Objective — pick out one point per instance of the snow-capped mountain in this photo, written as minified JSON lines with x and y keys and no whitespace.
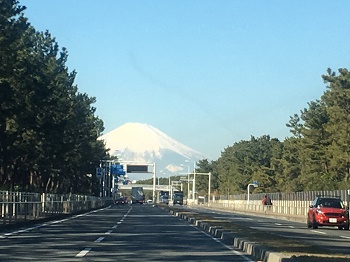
{"x":146,"y":144}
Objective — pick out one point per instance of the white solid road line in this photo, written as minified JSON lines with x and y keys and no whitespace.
{"x":228,"y":247}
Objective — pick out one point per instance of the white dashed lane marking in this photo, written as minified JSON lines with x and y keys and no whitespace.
{"x":83,"y":252}
{"x":99,"y":239}
{"x":319,"y":232}
{"x":108,"y":232}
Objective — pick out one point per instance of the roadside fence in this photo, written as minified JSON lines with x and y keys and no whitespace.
{"x":293,"y":206}
{"x":24,"y":206}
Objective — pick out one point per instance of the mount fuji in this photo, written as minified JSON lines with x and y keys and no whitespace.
{"x":144,"y":143}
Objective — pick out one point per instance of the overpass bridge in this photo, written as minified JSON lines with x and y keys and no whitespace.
{"x":145,"y":187}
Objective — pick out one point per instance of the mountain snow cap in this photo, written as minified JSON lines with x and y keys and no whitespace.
{"x":141,"y":138}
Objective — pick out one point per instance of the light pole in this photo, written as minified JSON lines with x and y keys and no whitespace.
{"x":170,"y":189}
{"x":188,"y":180}
{"x":255,"y":184}
{"x":194,"y":180}
{"x":106,"y":177}
{"x":165,"y":174}
{"x":209,"y":184}
{"x":154,"y":183}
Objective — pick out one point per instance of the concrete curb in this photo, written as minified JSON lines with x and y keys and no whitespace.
{"x":229,"y":238}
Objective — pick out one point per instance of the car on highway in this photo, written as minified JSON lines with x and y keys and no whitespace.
{"x":164,"y":199}
{"x":178,"y":198}
{"x":120,"y":201}
{"x":328,"y":211}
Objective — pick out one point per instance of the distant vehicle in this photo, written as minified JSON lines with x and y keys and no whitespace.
{"x":178,"y":197}
{"x":137,"y":195}
{"x":163,"y":193}
{"x":149,"y":201}
{"x":164,"y":199}
{"x":121,"y":201}
{"x":328,"y":211}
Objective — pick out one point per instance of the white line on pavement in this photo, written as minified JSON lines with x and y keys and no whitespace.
{"x":319,"y":232}
{"x":228,"y":247}
{"x":83,"y":252}
{"x":99,"y":239}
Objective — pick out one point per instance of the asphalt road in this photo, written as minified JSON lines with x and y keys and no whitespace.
{"x":329,"y":238}
{"x":117,"y":233}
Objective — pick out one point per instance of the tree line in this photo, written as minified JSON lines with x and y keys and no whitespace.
{"x":48,"y":129}
{"x":315,"y":157}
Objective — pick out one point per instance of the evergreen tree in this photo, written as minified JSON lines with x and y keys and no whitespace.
{"x":48,"y":131}
{"x":314,"y":162}
{"x":337,"y":99}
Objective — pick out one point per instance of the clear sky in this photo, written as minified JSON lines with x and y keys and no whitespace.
{"x":206,"y":73}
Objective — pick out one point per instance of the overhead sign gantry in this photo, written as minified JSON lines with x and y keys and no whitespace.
{"x":141,"y":167}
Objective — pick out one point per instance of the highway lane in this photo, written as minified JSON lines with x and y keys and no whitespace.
{"x":117,"y":233}
{"x":325,"y":237}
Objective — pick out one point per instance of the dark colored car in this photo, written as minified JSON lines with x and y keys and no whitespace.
{"x":164,"y":199}
{"x":328,"y":211}
{"x":120,"y":200}
{"x":178,"y":198}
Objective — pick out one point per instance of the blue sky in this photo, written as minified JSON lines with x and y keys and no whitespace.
{"x":206,"y":73}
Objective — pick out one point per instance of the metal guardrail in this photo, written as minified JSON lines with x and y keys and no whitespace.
{"x":24,"y":206}
{"x":290,"y":205}
{"x":291,"y":196}
{"x":293,"y":210}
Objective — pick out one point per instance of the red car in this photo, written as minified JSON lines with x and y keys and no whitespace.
{"x":328,"y":211}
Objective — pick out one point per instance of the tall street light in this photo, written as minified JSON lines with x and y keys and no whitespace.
{"x":194,"y":180}
{"x":209,"y":184}
{"x":165,"y":175}
{"x":188,"y":181}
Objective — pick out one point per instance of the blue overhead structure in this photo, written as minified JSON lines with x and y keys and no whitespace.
{"x":117,"y":169}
